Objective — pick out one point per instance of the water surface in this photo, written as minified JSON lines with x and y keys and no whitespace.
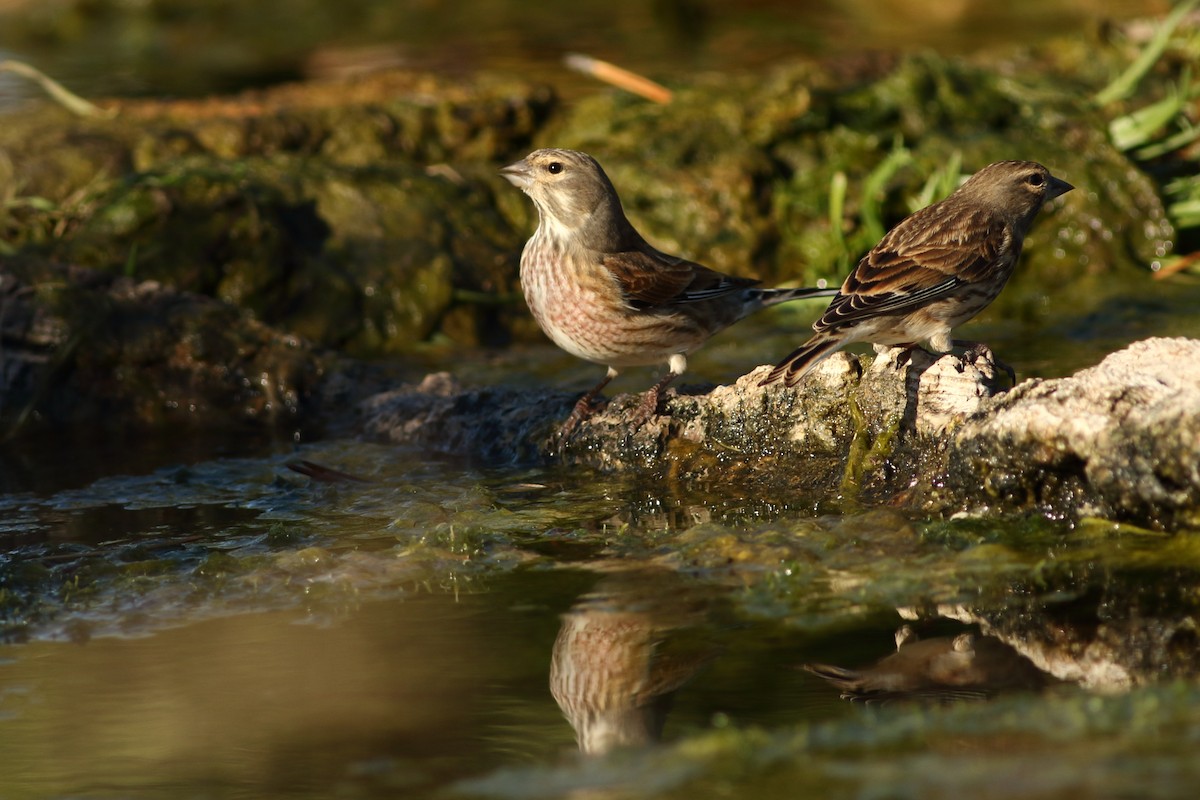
{"x":227,"y":628}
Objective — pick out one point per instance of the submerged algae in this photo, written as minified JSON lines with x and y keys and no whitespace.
{"x":1018,"y":747}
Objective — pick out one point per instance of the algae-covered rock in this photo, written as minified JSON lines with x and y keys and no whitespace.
{"x":327,"y":209}
{"x":843,"y":427}
{"x":395,"y":115}
{"x":1120,"y":439}
{"x":368,"y":260}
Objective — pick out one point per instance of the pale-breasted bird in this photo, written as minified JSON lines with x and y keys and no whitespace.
{"x":602,"y":293}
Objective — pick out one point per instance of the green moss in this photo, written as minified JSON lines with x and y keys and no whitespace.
{"x":356,"y":213}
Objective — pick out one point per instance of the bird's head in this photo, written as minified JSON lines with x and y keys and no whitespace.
{"x":1018,"y":187}
{"x":570,"y":190}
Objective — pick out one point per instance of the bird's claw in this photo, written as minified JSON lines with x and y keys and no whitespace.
{"x":582,"y":410}
{"x":647,"y":407}
{"x":981,"y":352}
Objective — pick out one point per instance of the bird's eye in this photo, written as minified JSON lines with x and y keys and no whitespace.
{"x":554,"y":167}
{"x":1036,"y":179}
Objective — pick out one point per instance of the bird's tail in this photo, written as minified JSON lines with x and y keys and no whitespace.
{"x":770,"y":297}
{"x":839,"y":676}
{"x":801,"y":360}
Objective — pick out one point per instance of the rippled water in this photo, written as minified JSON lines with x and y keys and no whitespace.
{"x":229,"y":628}
{"x":409,"y":692}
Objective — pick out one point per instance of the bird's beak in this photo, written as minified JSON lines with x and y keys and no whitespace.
{"x":1056,"y":188}
{"x":519,"y":174}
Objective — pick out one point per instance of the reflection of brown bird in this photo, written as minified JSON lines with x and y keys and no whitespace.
{"x":322,"y":473}
{"x":964,"y":667}
{"x":614,"y":668}
{"x":935,"y":270}
{"x":602,"y":293}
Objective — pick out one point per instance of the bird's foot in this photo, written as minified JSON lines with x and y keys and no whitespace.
{"x":582,"y":410}
{"x":978,"y":351}
{"x":647,"y":407}
{"x":905,"y":356}
{"x":901,"y":358}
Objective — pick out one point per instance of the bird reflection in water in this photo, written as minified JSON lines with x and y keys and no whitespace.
{"x":622,"y":652}
{"x":944,"y":669}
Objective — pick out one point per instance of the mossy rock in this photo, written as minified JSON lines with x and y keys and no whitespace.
{"x":365,"y":258}
{"x":86,"y":347}
{"x":368,"y":214}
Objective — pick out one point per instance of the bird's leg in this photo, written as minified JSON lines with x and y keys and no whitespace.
{"x":649,"y":405}
{"x":973,"y":352}
{"x":676,"y":365}
{"x":583,"y":406}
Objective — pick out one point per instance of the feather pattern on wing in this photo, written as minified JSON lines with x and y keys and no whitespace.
{"x":917,"y":263}
{"x":649,"y":279}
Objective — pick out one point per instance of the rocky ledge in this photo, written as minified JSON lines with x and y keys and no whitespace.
{"x":1119,"y":440}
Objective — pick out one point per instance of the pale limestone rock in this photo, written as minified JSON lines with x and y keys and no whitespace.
{"x":1122,"y":437}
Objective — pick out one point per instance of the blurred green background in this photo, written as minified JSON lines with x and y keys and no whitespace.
{"x":196,"y":47}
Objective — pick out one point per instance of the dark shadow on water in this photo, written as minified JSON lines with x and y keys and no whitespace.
{"x":50,"y":460}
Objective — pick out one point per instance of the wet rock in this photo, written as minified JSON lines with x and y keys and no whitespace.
{"x":89,"y":348}
{"x":1121,"y":439}
{"x":846,"y":425}
{"x":499,"y":424}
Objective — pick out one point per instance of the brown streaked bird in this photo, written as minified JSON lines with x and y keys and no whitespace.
{"x":603,"y":294}
{"x":940,"y":670}
{"x":934,"y":271}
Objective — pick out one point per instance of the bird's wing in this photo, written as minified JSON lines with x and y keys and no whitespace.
{"x":916,"y":264}
{"x":650,"y":279}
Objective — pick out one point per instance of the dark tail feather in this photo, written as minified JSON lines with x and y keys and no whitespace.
{"x":772,"y":297}
{"x":801,"y":360}
{"x":839,"y":676}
